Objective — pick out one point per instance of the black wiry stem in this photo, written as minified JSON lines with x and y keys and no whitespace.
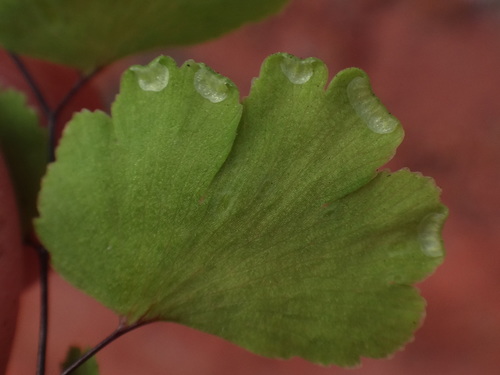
{"x":51,"y":115}
{"x":74,"y":90}
{"x":120,"y":331}
{"x":43,"y":256}
{"x":47,"y":111}
{"x":52,"y":120}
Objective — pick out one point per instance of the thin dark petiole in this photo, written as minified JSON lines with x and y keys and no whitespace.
{"x":120,"y":331}
{"x":54,"y":115}
{"x":47,"y":111}
{"x":51,"y":115}
{"x":74,"y":90}
{"x":32,"y":84}
{"x":43,"y":257}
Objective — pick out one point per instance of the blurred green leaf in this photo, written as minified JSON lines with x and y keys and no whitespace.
{"x":23,"y":143}
{"x":268,"y":226}
{"x":90,"y":367}
{"x":90,"y":33}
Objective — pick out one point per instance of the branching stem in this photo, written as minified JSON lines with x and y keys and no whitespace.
{"x":52,"y":120}
{"x":52,"y":116}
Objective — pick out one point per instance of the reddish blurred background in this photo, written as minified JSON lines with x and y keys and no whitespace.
{"x":436,"y":66}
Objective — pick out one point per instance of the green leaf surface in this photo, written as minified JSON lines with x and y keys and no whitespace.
{"x":90,"y":33}
{"x":90,"y":367}
{"x":265,"y":223}
{"x":23,"y":144}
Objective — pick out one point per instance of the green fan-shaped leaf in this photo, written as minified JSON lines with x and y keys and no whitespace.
{"x":90,"y":367}
{"x":90,"y":33}
{"x":23,"y":143}
{"x":266,"y":224}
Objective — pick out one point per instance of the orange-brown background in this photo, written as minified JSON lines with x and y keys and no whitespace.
{"x":436,"y":66}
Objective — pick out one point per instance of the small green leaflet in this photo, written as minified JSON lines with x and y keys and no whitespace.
{"x":24,"y":146}
{"x":90,"y":367}
{"x":265,"y":223}
{"x":87,"y":34}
